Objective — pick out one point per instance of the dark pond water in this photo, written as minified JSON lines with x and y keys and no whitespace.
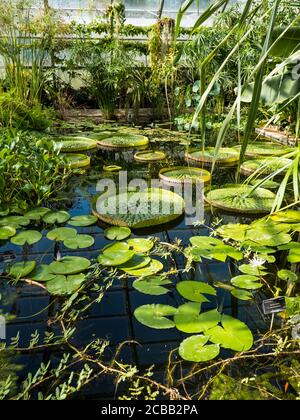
{"x":112,"y":319}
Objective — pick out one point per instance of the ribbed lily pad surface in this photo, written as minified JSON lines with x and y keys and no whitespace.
{"x":120,"y":141}
{"x":139,"y":209}
{"x":265,"y":149}
{"x":266,"y":165}
{"x":240,"y":199}
{"x":77,"y":160}
{"x":225,"y":156}
{"x":181,"y":174}
{"x":76,"y":144}
{"x":150,"y":156}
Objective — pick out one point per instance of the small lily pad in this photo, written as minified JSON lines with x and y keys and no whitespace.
{"x":152,"y":285}
{"x":246,"y":282}
{"x":22,"y":269}
{"x":117,"y":233}
{"x":241,"y":294}
{"x":37,"y":213}
{"x":16,"y":221}
{"x":83,"y":221}
{"x":253,"y":270}
{"x":115,"y":247}
{"x":135,"y":263}
{"x":140,"y":244}
{"x":194,"y":349}
{"x":42,"y":273}
{"x":189,"y":320}
{"x":7,"y":232}
{"x":287,"y":275}
{"x":155,"y":316}
{"x":152,"y":268}
{"x":113,"y":259}
{"x":70,"y":265}
{"x":193,"y":290}
{"x":56,"y":217}
{"x":62,"y":286}
{"x":79,"y":242}
{"x":112,"y":168}
{"x":28,"y":237}
{"x":61,"y":234}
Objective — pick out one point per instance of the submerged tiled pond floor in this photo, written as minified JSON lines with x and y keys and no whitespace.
{"x":112,"y":319}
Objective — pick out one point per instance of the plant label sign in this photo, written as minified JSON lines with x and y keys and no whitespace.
{"x":7,"y":257}
{"x":272,"y":306}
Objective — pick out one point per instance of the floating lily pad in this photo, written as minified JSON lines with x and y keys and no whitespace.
{"x":152,"y":285}
{"x":155,"y":316}
{"x":246,"y":282}
{"x":139,"y":209}
{"x":222,"y":252}
{"x":79,"y":242}
{"x":269,"y":184}
{"x":235,"y":231}
{"x":181,"y":174}
{"x":189,"y":320}
{"x":112,"y":168}
{"x":22,"y":269}
{"x":112,"y":259}
{"x":150,"y":156}
{"x":266,"y":165}
{"x":7,"y":232}
{"x":62,"y":286}
{"x":70,"y":265}
{"x":233,"y":334}
{"x":241,"y":199}
{"x":253,"y":270}
{"x":16,"y":221}
{"x":76,"y":144}
{"x":123,"y":140}
{"x":265,"y":149}
{"x":140,"y":244}
{"x":287,"y":216}
{"x":58,"y":217}
{"x":241,"y":294}
{"x":42,"y":273}
{"x":61,"y":234}
{"x":117,"y":233}
{"x":194,"y":349}
{"x":152,"y":268}
{"x":287,"y":275}
{"x":116,"y":247}
{"x":28,"y":237}
{"x":205,"y":241}
{"x":193,"y":290}
{"x":75,"y":161}
{"x":225,"y":156}
{"x":37,"y":213}
{"x":135,"y":263}
{"x":83,"y":221}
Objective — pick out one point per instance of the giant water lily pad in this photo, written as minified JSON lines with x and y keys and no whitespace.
{"x":181,"y":174}
{"x":83,"y":221}
{"x":37,"y":213}
{"x":113,"y":259}
{"x":194,"y":349}
{"x":117,"y":233}
{"x":62,"y":286}
{"x":70,"y":265}
{"x":194,"y":290}
{"x":269,"y":184}
{"x":135,"y":263}
{"x":22,"y":269}
{"x":79,"y":242}
{"x":150,"y":156}
{"x":42,"y":273}
{"x":155,"y":316}
{"x":28,"y":237}
{"x":140,"y":244}
{"x":152,"y":268}
{"x":265,"y":165}
{"x":225,"y":156}
{"x":246,"y":282}
{"x":61,"y":234}
{"x":189,"y":319}
{"x":123,"y":140}
{"x":264,"y":149}
{"x":76,"y":144}
{"x":152,"y":285}
{"x":16,"y":221}
{"x":7,"y":232}
{"x":56,"y":217}
{"x":75,"y":161}
{"x":139,"y":209}
{"x":233,"y":335}
{"x":241,"y":199}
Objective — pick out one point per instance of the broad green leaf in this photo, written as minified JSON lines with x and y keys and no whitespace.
{"x":194,"y":349}
{"x":294,"y":256}
{"x":7,"y":232}
{"x":117,"y":233}
{"x":140,"y":244}
{"x":151,"y":269}
{"x":79,"y":242}
{"x":241,"y":294}
{"x":287,"y":275}
{"x":135,"y":263}
{"x":16,"y":221}
{"x":233,"y":335}
{"x":193,"y":290}
{"x":115,"y":247}
{"x":205,"y":242}
{"x":28,"y":237}
{"x":56,"y":217}
{"x":189,"y":320}
{"x":112,"y":259}
{"x":22,"y":269}
{"x":222,"y":252}
{"x":152,"y":285}
{"x":287,"y":216}
{"x":42,"y":273}
{"x":155,"y":316}
{"x":37,"y":213}
{"x":63,"y":286}
{"x":246,"y":282}
{"x":235,"y":231}
{"x":70,"y":265}
{"x":83,"y":221}
{"x":61,"y":234}
{"x":253,"y":270}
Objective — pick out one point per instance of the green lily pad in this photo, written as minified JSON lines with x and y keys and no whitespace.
{"x":253,"y":270}
{"x":181,"y":174}
{"x":140,"y":244}
{"x":116,"y":247}
{"x":76,"y":160}
{"x":7,"y":232}
{"x":246,"y":282}
{"x":83,"y":221}
{"x":123,"y":140}
{"x":265,"y":165}
{"x":63,"y":286}
{"x":205,"y":241}
{"x":193,"y":290}
{"x":233,"y":335}
{"x":225,"y":156}
{"x":287,"y":216}
{"x":269,"y":184}
{"x":70,"y":265}
{"x":42,"y":273}
{"x":150,"y":156}
{"x":222,"y":252}
{"x":37,"y":213}
{"x":22,"y":269}
{"x":79,"y":242}
{"x":234,"y":231}
{"x":152,"y":285}
{"x":241,"y":294}
{"x":113,"y":259}
{"x":76,"y":144}
{"x":194,"y":349}
{"x":61,"y":234}
{"x":16,"y":221}
{"x":287,"y":275}
{"x":155,"y":316}
{"x":152,"y":268}
{"x":135,"y":263}
{"x":28,"y":237}
{"x":189,"y":320}
{"x":112,"y":168}
{"x":53,"y":217}
{"x":117,"y":233}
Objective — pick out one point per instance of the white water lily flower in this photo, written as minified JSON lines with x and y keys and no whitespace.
{"x":257,"y":262}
